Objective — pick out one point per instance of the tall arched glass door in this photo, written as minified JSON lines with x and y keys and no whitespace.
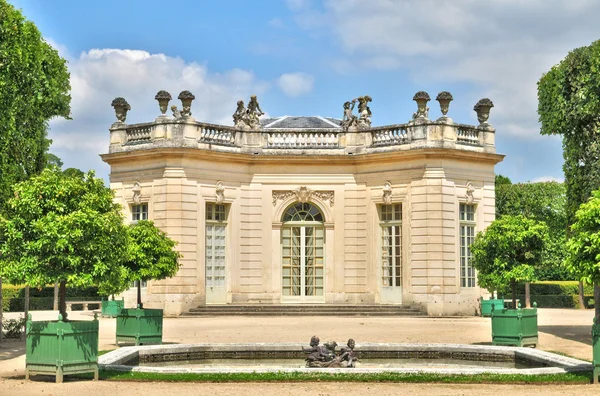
{"x":302,"y":243}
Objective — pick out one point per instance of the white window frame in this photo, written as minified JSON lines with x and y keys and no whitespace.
{"x":137,"y":210}
{"x":390,"y":217}
{"x":215,"y":216}
{"x":466,"y":235}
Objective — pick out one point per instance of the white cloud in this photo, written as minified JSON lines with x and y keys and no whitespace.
{"x":500,"y":47}
{"x":276,"y":23}
{"x":100,"y":75}
{"x":296,"y":84}
{"x":548,"y":179}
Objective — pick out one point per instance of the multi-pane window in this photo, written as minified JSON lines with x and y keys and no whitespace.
{"x":216,"y":227}
{"x":139,"y":212}
{"x":391,"y":245}
{"x":467,"y":236}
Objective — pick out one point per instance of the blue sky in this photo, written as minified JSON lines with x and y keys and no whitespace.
{"x":307,"y":57}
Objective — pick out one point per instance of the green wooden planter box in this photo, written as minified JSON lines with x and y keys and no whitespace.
{"x":596,"y":349}
{"x":140,"y":326}
{"x":112,"y":308}
{"x":59,"y":348}
{"x":488,"y":305}
{"x":515,"y":326}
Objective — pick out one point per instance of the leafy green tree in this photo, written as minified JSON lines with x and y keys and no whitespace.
{"x":584,"y":244}
{"x":569,"y":105}
{"x":508,"y":252}
{"x":63,"y":229}
{"x":502,"y":180}
{"x":150,"y":255}
{"x":34,"y":87}
{"x":545,"y":202}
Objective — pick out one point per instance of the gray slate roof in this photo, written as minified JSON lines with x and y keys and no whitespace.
{"x":291,"y":122}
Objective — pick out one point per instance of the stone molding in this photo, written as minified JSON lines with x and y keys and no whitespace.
{"x":303,"y":194}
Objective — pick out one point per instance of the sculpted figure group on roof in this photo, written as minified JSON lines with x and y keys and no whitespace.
{"x":247,"y":118}
{"x":350,"y":121}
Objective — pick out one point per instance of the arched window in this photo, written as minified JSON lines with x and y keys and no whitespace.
{"x":302,"y":212}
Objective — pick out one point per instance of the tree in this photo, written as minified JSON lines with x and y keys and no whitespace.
{"x":507,"y":253}
{"x":150,"y":255}
{"x":544,"y":201}
{"x":569,"y":105}
{"x":584,"y":244}
{"x":502,"y":180}
{"x":64,"y":229}
{"x":34,"y":87}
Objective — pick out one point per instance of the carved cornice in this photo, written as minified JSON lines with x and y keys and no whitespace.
{"x":304,"y":194}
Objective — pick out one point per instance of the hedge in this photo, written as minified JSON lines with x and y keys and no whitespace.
{"x":13,"y":297}
{"x":557,"y":294}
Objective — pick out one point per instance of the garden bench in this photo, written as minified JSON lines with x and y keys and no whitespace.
{"x":84,"y":303}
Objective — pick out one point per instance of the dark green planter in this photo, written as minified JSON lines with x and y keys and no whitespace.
{"x":488,"y":305}
{"x":112,"y":308}
{"x":59,"y":348}
{"x":596,"y":349}
{"x":140,"y":326}
{"x":515,"y":326}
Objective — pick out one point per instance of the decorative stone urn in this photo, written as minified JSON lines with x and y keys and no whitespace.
{"x":121,"y":108}
{"x":421,"y":98}
{"x":186,"y":98}
{"x":163,"y":98}
{"x":482,"y":108}
{"x":444,"y":98}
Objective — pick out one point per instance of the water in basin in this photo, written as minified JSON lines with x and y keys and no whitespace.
{"x":363,"y":363}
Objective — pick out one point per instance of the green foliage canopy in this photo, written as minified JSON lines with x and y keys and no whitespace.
{"x":584,"y":244}
{"x":508,"y":251}
{"x":150,"y":254}
{"x":569,"y":105}
{"x":61,"y":228}
{"x":544,"y":201}
{"x":34,"y":87}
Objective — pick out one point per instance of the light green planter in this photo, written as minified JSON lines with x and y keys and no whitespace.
{"x":112,"y":308}
{"x":488,"y":305}
{"x":140,"y":326}
{"x":59,"y":348}
{"x":596,"y":349}
{"x":515,"y":326}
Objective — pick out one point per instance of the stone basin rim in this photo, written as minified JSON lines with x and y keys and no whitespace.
{"x":116,"y":360}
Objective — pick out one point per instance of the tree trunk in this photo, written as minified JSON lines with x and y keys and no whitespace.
{"x":597,"y":302}
{"x":514,"y":294}
{"x":62,"y":300}
{"x":55,"y":304}
{"x":527,"y":296}
{"x":0,"y":311}
{"x":139,"y":294}
{"x":26,"y":305}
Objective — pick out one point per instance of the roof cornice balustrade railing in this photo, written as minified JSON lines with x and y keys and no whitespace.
{"x":182,"y":132}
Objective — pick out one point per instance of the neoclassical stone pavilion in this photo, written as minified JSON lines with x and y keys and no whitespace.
{"x":310,"y":210}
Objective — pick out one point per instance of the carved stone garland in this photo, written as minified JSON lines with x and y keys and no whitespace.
{"x":387,"y":193}
{"x":220,"y":193}
{"x":137,"y":193}
{"x":469,"y":193}
{"x":303,"y":194}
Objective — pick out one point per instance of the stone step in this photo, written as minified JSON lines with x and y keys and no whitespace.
{"x":304,"y":310}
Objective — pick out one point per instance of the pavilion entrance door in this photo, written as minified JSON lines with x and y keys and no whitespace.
{"x":302,"y":244}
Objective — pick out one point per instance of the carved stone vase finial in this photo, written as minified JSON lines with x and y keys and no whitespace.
{"x":444,"y":98}
{"x":121,"y":108}
{"x":186,"y":98}
{"x":163,"y":98}
{"x":421,"y":98}
{"x":482,"y":108}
